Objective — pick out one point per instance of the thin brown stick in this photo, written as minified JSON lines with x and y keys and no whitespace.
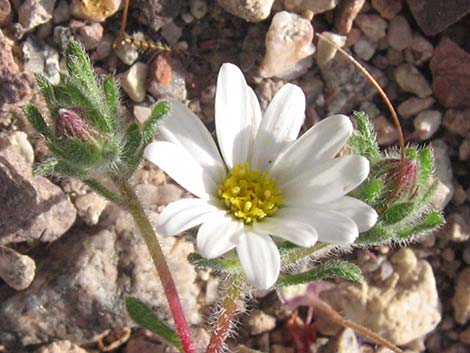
{"x":122,"y":30}
{"x":396,"y":121}
{"x":334,"y":316}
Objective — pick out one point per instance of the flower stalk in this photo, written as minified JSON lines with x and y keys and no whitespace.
{"x":225,"y":320}
{"x":133,"y":206}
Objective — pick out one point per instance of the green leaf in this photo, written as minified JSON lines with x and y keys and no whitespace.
{"x":46,"y":168}
{"x":34,"y":116}
{"x":370,"y":190}
{"x":49,"y":95}
{"x":377,"y":235}
{"x":431,"y":221}
{"x":330,"y":269}
{"x":425,"y":165}
{"x":160,"y":110}
{"x":133,"y":141}
{"x":146,"y":318}
{"x":397,"y":212}
{"x":227,"y":265}
{"x":364,"y":141}
{"x":111,"y":92}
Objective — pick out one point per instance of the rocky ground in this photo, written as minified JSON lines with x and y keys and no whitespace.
{"x":68,"y":258}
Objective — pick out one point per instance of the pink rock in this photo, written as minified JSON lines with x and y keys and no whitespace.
{"x":373,"y":26}
{"x":434,"y":16}
{"x":387,"y":8}
{"x":399,"y":34}
{"x":450,"y":66}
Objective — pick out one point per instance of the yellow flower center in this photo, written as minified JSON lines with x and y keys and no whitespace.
{"x":250,"y":195}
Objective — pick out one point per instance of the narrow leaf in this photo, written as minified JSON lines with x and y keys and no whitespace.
{"x":377,"y":235}
{"x":160,"y":110}
{"x":425,"y":164}
{"x":46,"y":168}
{"x":330,"y":269}
{"x":48,"y":93}
{"x":364,"y":141}
{"x":146,"y":318}
{"x":227,"y":265}
{"x":34,"y":116}
{"x":430,"y":222}
{"x":111,"y":92}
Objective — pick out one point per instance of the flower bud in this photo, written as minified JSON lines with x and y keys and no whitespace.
{"x":71,"y":123}
{"x":403,"y":183}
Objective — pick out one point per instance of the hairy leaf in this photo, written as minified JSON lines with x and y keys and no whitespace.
{"x":160,"y":110}
{"x":146,"y":318}
{"x":34,"y":116}
{"x":227,"y":265}
{"x":330,"y":269}
{"x":364,"y":141}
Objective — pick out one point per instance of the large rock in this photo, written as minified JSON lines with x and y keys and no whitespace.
{"x":17,"y":85}
{"x":346,"y":87}
{"x":33,"y":13}
{"x":82,"y":282}
{"x":33,"y":208}
{"x":458,"y":122}
{"x":450,"y":66}
{"x":434,"y":16}
{"x":289,"y":47}
{"x":401,"y":309}
{"x":16,"y":270}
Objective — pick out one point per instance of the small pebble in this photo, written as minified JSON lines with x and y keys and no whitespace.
{"x":90,"y":35}
{"x":464,"y":150}
{"x":409,"y":79}
{"x":365,"y":48}
{"x":133,"y":81}
{"x":388,"y":9}
{"x":61,"y":12}
{"x":5,"y":12}
{"x":414,"y":105}
{"x":373,"y":26}
{"x":198,"y":8}
{"x":427,"y":123}
{"x":259,"y":322}
{"x":399,"y":35}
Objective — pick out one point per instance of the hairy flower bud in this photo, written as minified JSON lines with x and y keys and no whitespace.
{"x":403,"y":182}
{"x":71,"y":123}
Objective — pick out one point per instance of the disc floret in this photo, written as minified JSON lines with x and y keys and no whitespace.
{"x":250,"y":195}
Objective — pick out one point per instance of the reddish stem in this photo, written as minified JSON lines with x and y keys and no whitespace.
{"x":224,"y":321}
{"x":134,"y":207}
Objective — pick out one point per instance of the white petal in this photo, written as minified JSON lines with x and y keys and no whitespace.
{"x":184,"y":214}
{"x":320,"y":143}
{"x":280,"y":125}
{"x":326,"y":182}
{"x":259,"y":258}
{"x":331,"y":226}
{"x":179,"y":165}
{"x":184,"y":128}
{"x":361,"y":213}
{"x":295,"y":231}
{"x":235,"y":115}
{"x":218,"y":236}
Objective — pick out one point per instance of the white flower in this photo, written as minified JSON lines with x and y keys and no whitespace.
{"x":265,"y":182}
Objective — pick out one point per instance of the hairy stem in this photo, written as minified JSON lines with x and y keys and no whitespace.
{"x":134,"y":207}
{"x":226,"y":317}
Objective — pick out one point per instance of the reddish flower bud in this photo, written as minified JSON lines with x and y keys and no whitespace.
{"x":405,"y":183}
{"x":70,"y":122}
